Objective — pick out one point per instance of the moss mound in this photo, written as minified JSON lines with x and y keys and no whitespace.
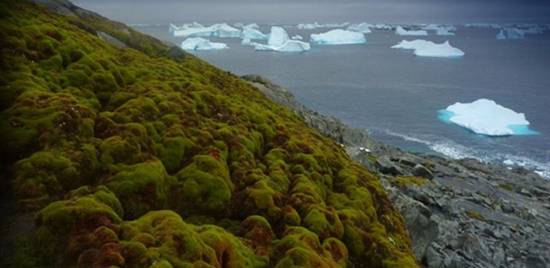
{"x":136,"y":157}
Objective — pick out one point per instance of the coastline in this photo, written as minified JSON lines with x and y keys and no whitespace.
{"x":464,"y":213}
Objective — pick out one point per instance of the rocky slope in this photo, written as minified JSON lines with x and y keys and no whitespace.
{"x":460,"y":213}
{"x":121,"y":151}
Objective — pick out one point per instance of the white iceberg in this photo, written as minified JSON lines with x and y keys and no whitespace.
{"x":486,"y":117}
{"x":222,"y":30}
{"x":199,"y":43}
{"x":361,"y":27}
{"x":400,"y":31}
{"x":338,"y":37}
{"x":297,"y":37}
{"x":483,"y":25}
{"x":510,"y":33}
{"x":279,"y":41}
{"x":444,"y":30}
{"x":519,"y":33}
{"x":252,"y":32}
{"x":423,"y":48}
{"x":381,"y":26}
{"x":315,"y":25}
{"x":277,"y":37}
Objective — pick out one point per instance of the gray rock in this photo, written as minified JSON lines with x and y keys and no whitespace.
{"x":422,"y":171}
{"x":111,"y":40}
{"x":386,"y":166}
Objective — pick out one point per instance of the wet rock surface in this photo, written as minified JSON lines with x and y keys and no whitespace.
{"x":467,"y":214}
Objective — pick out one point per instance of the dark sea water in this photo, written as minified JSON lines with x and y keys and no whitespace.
{"x":389,"y":92}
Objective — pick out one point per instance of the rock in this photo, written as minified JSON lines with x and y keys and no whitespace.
{"x":386,"y":166}
{"x":111,"y":40}
{"x":422,"y":171}
{"x":175,"y":52}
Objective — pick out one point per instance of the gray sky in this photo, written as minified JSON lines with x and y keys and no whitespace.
{"x":286,"y":11}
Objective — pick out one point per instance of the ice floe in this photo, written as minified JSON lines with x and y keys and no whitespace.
{"x":279,"y":41}
{"x":423,"y":48}
{"x":401,"y":31}
{"x":338,"y":37}
{"x":221,"y":30}
{"x":486,"y":117}
{"x":297,"y":37}
{"x":510,"y":33}
{"x":315,"y":25}
{"x":519,"y":33}
{"x":361,"y":27}
{"x":252,"y":32}
{"x":199,"y":43}
{"x":444,"y":30}
{"x":381,"y":26}
{"x":483,"y":25}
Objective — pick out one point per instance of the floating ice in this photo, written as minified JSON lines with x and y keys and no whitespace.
{"x":315,"y":25}
{"x":381,"y":26}
{"x":423,"y":48}
{"x":444,"y":30}
{"x":361,"y":27}
{"x":252,"y":32}
{"x":519,"y":33}
{"x":483,"y":25}
{"x":400,"y":31}
{"x":338,"y":37}
{"x":486,"y":117}
{"x":278,"y":36}
{"x":199,"y":43}
{"x":279,"y":41}
{"x":510,"y":33}
{"x":297,"y":37}
{"x":222,"y":30}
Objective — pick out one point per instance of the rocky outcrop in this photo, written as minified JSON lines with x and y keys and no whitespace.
{"x":459,"y":213}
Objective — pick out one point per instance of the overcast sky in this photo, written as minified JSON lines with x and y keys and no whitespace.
{"x":295,"y":11}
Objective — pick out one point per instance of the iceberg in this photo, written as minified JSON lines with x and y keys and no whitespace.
{"x":199,"y":43}
{"x":277,"y":37}
{"x":361,"y":27}
{"x":297,"y":37}
{"x":381,"y":26}
{"x":483,"y":25}
{"x":486,"y":117}
{"x":423,"y":48}
{"x":510,"y":33}
{"x":221,"y":30}
{"x":279,"y":41}
{"x":252,"y":32}
{"x":400,"y":31}
{"x":338,"y":37}
{"x":516,"y":33}
{"x":315,"y":25}
{"x":440,"y":29}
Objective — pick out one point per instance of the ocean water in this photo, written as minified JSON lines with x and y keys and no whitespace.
{"x":389,"y":92}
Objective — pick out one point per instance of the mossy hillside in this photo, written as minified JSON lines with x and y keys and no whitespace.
{"x":147,"y":160}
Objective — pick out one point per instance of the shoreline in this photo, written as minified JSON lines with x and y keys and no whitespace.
{"x":459,"y":212}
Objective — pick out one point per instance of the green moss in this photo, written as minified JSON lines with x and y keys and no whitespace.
{"x":173,"y":152}
{"x":475,"y":215}
{"x":143,"y":187}
{"x":204,"y":186}
{"x":115,"y":150}
{"x":77,"y":111}
{"x":302,"y":248}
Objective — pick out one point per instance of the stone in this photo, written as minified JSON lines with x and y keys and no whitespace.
{"x":422,"y":171}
